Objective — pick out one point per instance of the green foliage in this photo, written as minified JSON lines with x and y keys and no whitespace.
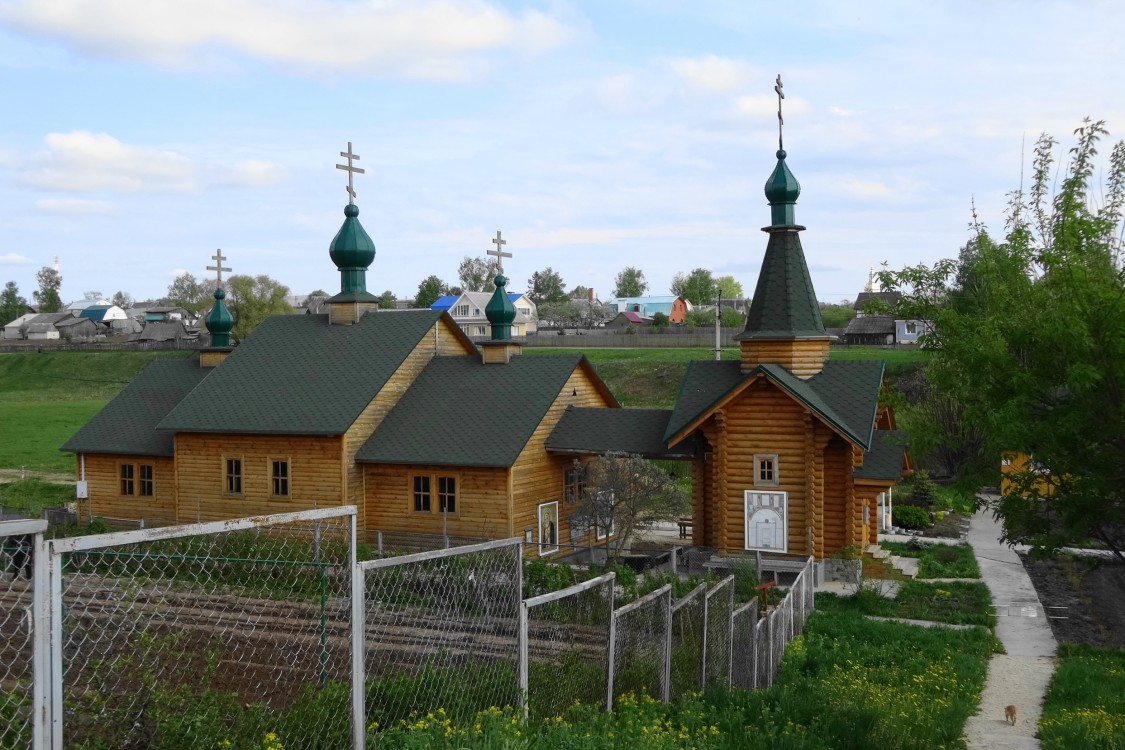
{"x":630,"y":283}
{"x":836,"y":316}
{"x":478,"y":274}
{"x":910,"y":517}
{"x":728,"y":287}
{"x":955,"y":603}
{"x":186,"y":292}
{"x":124,"y":300}
{"x":47,"y":295}
{"x":31,"y":496}
{"x":546,"y":286}
{"x":1029,"y":340}
{"x":252,"y":299}
{"x":697,"y":287}
{"x":660,"y":320}
{"x":387,"y":300}
{"x":938,"y":560}
{"x":1085,"y":702}
{"x":429,"y":289}
{"x":12,"y":305}
{"x":923,"y":490}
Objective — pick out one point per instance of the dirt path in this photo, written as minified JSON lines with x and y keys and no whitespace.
{"x":1020,"y":676}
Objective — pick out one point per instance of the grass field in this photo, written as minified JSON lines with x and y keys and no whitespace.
{"x":1085,"y":703}
{"x":46,"y":397}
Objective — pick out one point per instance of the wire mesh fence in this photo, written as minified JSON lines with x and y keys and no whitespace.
{"x":744,"y":652}
{"x":195,"y":632}
{"x":440,"y":631}
{"x":642,"y":646}
{"x":18,"y":540}
{"x":687,"y":642}
{"x":565,"y":647}
{"x":717,"y":629}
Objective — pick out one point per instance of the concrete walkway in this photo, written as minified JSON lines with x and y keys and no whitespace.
{"x":1019,"y":677}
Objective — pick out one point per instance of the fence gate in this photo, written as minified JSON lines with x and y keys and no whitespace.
{"x":642,"y":646}
{"x":23,"y":632}
{"x":249,"y":617}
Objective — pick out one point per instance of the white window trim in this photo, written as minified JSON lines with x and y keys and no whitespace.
{"x":543,"y":548}
{"x":750,"y":508}
{"x":758,"y":482}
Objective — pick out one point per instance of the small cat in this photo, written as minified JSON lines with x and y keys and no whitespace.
{"x":1010,"y":714}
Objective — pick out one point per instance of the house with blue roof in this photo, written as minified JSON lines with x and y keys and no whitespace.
{"x":467,"y":310}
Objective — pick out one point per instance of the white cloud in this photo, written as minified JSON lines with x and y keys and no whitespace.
{"x":76,"y":206}
{"x":81,"y":161}
{"x":14,"y":259}
{"x":254,"y":173}
{"x":617,"y":93}
{"x":756,"y":106}
{"x":427,"y":39}
{"x":712,"y":74}
{"x":840,"y":111}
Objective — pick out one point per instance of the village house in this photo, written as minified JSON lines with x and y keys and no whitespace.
{"x":676,"y":308}
{"x":467,"y":311}
{"x":399,"y":413}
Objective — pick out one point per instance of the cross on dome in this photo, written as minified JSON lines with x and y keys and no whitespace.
{"x":351,"y":169}
{"x":218,"y":268}
{"x":499,"y":253}
{"x":780,"y":95}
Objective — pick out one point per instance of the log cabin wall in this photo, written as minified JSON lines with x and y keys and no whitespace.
{"x":837,"y":467}
{"x":481,"y":509}
{"x":537,"y":476}
{"x":441,"y":341}
{"x":702,"y":488}
{"x":104,"y":490}
{"x":802,"y":357}
{"x":315,"y":474}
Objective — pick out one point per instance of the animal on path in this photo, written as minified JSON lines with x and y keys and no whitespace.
{"x":1010,"y":713}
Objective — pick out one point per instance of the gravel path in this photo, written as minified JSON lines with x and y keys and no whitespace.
{"x":1019,"y":677}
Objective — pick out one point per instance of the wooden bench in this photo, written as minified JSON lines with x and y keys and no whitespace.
{"x":685,"y":527}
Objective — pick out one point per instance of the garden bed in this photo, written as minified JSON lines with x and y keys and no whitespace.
{"x":1091,"y":589}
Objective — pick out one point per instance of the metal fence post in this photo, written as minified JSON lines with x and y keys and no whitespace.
{"x":730,"y":639}
{"x":54,"y":595}
{"x":666,"y":685}
{"x":611,"y":651}
{"x":523,"y":659}
{"x":41,"y":639}
{"x":703,"y":649}
{"x":359,"y":643}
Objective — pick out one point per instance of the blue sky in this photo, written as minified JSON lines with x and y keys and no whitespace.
{"x":138,"y":136}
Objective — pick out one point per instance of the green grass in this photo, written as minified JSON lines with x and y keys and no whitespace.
{"x":954,"y":603}
{"x":1085,"y":703}
{"x":31,"y":496}
{"x":32,"y":431}
{"x":938,"y":560}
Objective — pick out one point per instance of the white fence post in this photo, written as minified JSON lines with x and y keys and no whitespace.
{"x":666,"y":684}
{"x":359,"y":644}
{"x":522,"y":658}
{"x":611,"y":651}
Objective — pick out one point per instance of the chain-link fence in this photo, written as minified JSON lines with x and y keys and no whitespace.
{"x":564,"y":648}
{"x":744,"y":656}
{"x":440,"y":631}
{"x":759,"y":638}
{"x":196,"y":636}
{"x":642,"y":646}
{"x":717,"y":630}
{"x":687,"y":642}
{"x":20,"y":608}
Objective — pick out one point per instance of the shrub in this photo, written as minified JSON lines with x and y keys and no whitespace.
{"x":909,"y":517}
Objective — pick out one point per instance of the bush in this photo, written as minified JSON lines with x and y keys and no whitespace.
{"x":909,"y":517}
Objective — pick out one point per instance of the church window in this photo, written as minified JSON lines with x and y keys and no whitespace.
{"x":422,"y":493}
{"x":765,"y":469}
{"x":127,"y":479}
{"x":447,"y":494}
{"x":280,"y":477}
{"x":234,"y":476}
{"x":146,"y":484}
{"x":574,"y":484}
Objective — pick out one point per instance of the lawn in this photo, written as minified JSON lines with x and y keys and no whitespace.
{"x":1085,"y":703}
{"x":938,"y":560}
{"x":954,"y":603}
{"x":31,"y":496}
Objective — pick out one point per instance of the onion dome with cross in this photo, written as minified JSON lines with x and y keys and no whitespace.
{"x":352,"y":249}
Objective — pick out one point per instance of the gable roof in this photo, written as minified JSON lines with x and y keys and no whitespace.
{"x":445,"y":302}
{"x":127,"y":424}
{"x":884,"y":462}
{"x":162,"y":330}
{"x":844,"y":395}
{"x":637,"y":432}
{"x":870,"y":325}
{"x":888,"y":298}
{"x":460,"y":412}
{"x":44,"y":322}
{"x":298,"y":375}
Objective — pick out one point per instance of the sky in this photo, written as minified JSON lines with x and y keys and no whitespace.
{"x":138,"y":136}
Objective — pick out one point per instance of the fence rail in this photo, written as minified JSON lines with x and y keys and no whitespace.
{"x":106,"y":640}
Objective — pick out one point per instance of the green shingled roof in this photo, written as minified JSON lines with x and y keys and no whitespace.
{"x":127,"y":424}
{"x":784,"y":304}
{"x":843,"y":394}
{"x":296,"y":374}
{"x":884,"y":460}
{"x":460,"y":412}
{"x":637,"y":432}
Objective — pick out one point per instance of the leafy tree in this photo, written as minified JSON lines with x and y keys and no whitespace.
{"x":659,"y":320}
{"x":124,"y":300}
{"x":728,"y":287}
{"x":579,"y":292}
{"x":836,"y":315}
{"x":546,"y":286}
{"x":387,"y":300}
{"x":731,"y":318}
{"x":319,"y":293}
{"x":12,"y":305}
{"x":623,"y":495}
{"x":429,"y":290}
{"x":186,"y":292}
{"x":478,"y":274}
{"x":630,"y":283}
{"x":697,"y":287}
{"x":47,"y":295}
{"x":592,"y":314}
{"x":1029,"y":340}
{"x":252,"y":299}
{"x":92,"y":296}
{"x":564,"y":314}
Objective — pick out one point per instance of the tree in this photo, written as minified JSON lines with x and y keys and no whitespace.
{"x":478,"y":274}
{"x":579,"y":292}
{"x":93,"y":296}
{"x":47,"y":295}
{"x":429,"y":290}
{"x":630,"y":283}
{"x":186,"y":292}
{"x":697,"y":287}
{"x":12,"y":305}
{"x":659,"y":320}
{"x":564,"y":314}
{"x":836,"y":315}
{"x":318,"y":293}
{"x":728,"y":287}
{"x":622,"y":495}
{"x":546,"y":286}
{"x":252,"y":299}
{"x":124,"y":300}
{"x":387,"y":300}
{"x":1029,"y":340}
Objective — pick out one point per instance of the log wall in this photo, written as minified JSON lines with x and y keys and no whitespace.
{"x":802,"y":357}
{"x":103,"y":477}
{"x":482,"y":501}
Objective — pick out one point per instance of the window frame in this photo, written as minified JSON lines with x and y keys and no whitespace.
{"x":461,"y":311}
{"x":146,"y":486}
{"x":416,"y":494}
{"x":126,"y":485}
{"x":274,"y":462}
{"x":761,"y":460}
{"x":228,"y":475}
{"x":442,"y":495}
{"x":574,"y":483}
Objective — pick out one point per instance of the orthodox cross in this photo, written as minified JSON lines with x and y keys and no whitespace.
{"x":218,"y":257}
{"x":499,"y":253}
{"x":780,"y":95}
{"x":351,"y":169}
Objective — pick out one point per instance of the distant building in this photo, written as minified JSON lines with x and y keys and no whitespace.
{"x":676,"y":308}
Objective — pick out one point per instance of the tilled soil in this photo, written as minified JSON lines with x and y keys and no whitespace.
{"x":1084,"y":598}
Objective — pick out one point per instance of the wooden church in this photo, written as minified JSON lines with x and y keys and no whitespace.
{"x":400,"y":414}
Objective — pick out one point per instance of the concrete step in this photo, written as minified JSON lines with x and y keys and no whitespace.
{"x":877,"y":552}
{"x":908,"y":566}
